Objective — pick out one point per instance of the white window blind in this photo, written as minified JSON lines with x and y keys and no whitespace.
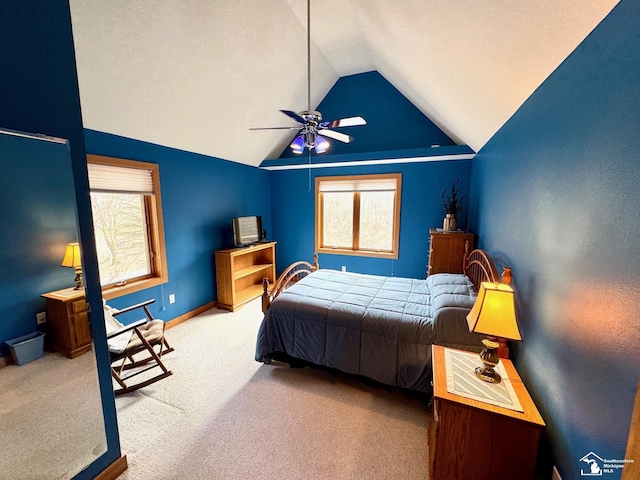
{"x":109,"y":178}
{"x":359,"y":185}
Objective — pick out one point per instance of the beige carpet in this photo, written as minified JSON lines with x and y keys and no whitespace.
{"x":222,"y":415}
{"x":51,"y":417}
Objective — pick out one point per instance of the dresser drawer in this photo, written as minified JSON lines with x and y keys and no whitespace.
{"x":79,"y":306}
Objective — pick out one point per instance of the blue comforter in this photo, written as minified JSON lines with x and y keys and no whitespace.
{"x":378,"y":327}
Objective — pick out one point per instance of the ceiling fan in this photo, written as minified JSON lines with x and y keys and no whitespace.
{"x":313,"y":130}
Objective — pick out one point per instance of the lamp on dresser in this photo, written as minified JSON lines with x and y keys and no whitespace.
{"x":494,"y":315}
{"x":72,"y":259}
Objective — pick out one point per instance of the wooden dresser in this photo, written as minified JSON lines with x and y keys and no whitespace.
{"x":68,"y":319}
{"x":472,"y":439}
{"x":240,"y":271}
{"x":446,"y":251}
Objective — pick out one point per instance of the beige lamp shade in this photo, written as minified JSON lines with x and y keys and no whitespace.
{"x":72,"y":256}
{"x":494,"y":313}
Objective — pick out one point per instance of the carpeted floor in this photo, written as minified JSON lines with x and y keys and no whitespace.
{"x":51,"y":417}
{"x":222,"y":415}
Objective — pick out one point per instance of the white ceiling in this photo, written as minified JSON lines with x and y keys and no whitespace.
{"x":197,"y":74}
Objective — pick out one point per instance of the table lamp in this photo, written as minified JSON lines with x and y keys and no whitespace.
{"x":494,"y":315}
{"x":72,"y":259}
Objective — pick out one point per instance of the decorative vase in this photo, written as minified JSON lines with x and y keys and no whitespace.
{"x":450,"y":224}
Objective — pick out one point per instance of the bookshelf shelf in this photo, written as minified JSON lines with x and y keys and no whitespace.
{"x":240,"y":271}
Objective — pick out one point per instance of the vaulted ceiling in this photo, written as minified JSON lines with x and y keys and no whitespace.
{"x":197,"y":74}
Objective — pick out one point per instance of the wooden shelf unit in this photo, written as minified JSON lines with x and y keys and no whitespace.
{"x":446,"y":251}
{"x":240,"y":271}
{"x":473,"y":439}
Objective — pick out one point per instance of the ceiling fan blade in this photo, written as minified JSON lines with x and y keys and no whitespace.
{"x":341,"y":137}
{"x":275,"y":128}
{"x":345,"y":122}
{"x":294,"y":115}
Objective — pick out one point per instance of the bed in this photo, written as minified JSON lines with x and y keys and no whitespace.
{"x":381,"y":328}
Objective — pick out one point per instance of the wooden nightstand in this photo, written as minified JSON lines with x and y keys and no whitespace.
{"x":473,"y":439}
{"x":68,"y":318}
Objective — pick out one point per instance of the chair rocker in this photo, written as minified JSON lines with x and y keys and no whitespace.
{"x":143,"y":336}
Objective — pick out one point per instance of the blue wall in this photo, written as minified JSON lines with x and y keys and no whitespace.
{"x":38,"y":220}
{"x":39,"y":92}
{"x":393,"y":122}
{"x":200,"y":196}
{"x":555,"y":196}
{"x":395,"y":129}
{"x":421,"y":209}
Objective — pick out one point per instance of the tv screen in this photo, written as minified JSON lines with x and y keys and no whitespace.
{"x":247,"y":230}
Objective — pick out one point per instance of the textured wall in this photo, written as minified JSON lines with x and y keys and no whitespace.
{"x":555,"y":196}
{"x":200,"y":196}
{"x":38,"y":220}
{"x":294,"y":215}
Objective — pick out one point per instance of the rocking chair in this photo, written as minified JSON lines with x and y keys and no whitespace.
{"x":140,"y":337}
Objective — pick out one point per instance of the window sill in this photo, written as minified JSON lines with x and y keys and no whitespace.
{"x":358,"y":253}
{"x":135,"y":286}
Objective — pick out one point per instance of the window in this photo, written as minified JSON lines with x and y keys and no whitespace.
{"x":358,"y":215}
{"x":127,"y":221}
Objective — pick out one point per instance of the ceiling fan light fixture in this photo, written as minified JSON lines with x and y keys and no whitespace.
{"x":298,"y":145}
{"x":310,"y":121}
{"x":322,"y":145}
{"x":309,"y":138}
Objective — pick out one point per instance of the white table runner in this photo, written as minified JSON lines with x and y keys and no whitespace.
{"x":462,"y":380}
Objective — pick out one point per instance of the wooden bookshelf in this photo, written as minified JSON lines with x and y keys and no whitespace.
{"x":240,"y":271}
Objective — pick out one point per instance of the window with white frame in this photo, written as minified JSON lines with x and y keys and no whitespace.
{"x":358,"y":215}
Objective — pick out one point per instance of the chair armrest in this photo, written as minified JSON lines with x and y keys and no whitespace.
{"x":126,"y":328}
{"x":133,"y":307}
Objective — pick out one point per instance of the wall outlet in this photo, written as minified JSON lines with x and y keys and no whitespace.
{"x":172,"y":298}
{"x":555,"y":475}
{"x":41,"y":317}
{"x":344,"y":268}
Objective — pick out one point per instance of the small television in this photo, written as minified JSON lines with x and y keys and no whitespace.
{"x":247,"y":231}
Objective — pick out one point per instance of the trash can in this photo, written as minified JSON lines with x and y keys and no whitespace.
{"x":27,"y":348}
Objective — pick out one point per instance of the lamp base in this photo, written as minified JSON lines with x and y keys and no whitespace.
{"x":78,"y":280}
{"x":490,"y":359}
{"x":488,"y":374}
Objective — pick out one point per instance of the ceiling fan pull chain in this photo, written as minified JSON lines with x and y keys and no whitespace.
{"x":309,"y":170}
